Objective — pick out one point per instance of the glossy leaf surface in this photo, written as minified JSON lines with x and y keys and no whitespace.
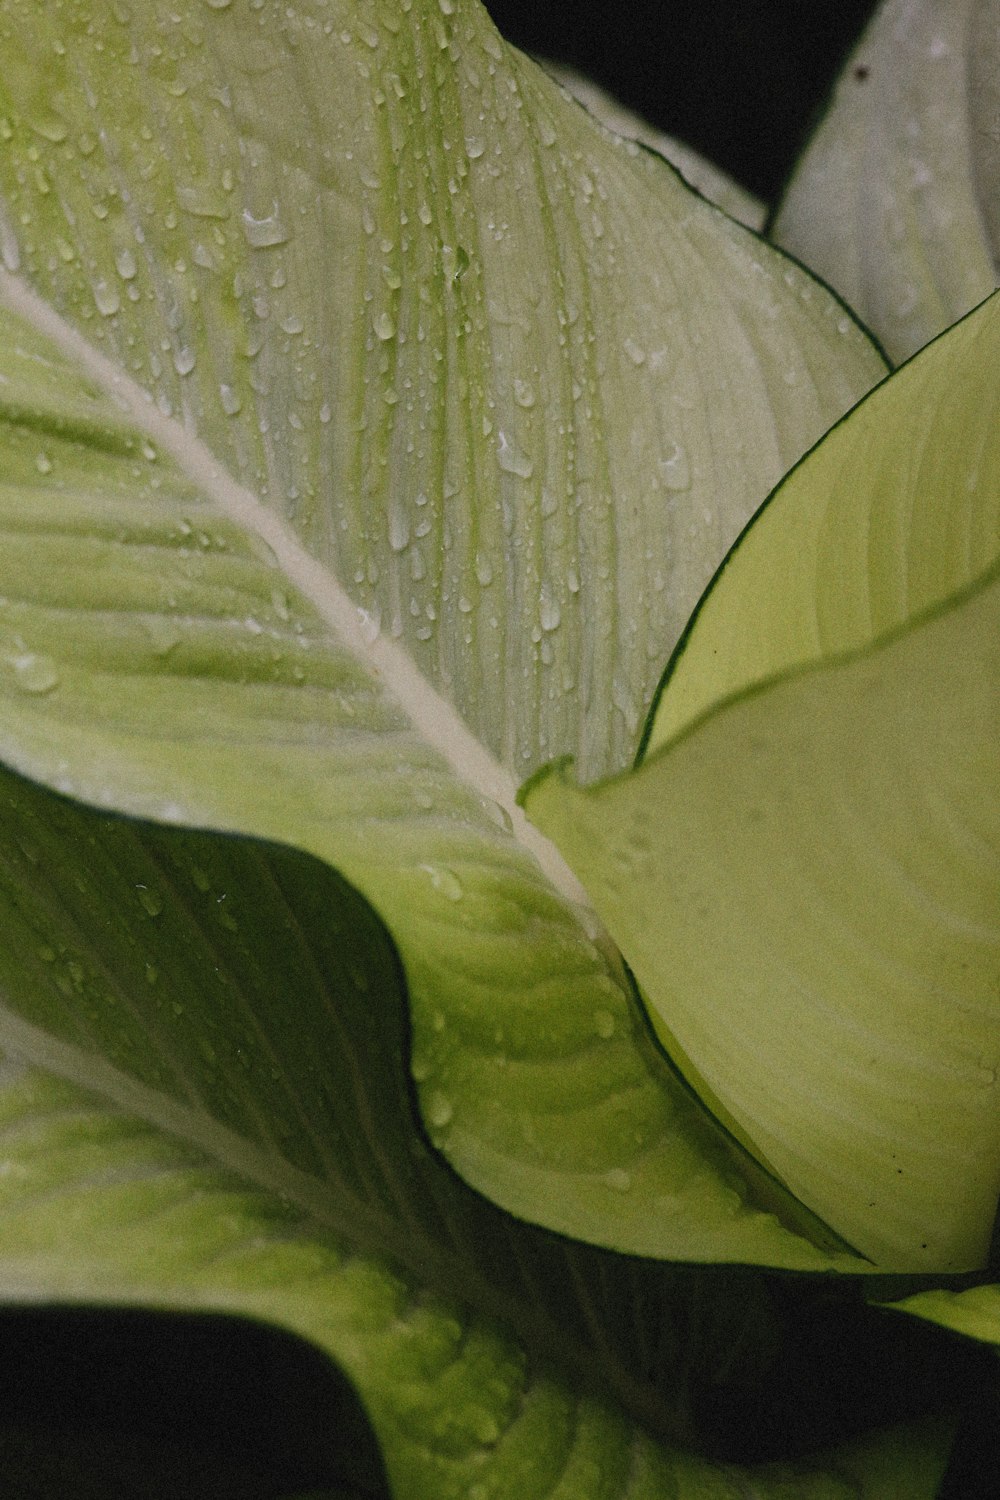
{"x":895,"y":200}
{"x":357,"y":453}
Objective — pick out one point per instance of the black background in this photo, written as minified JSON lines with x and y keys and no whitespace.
{"x":741,"y":82}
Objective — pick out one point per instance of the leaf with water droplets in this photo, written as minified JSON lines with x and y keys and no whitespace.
{"x":895,"y":199}
{"x":226,"y":1123}
{"x":403,"y":531}
{"x":802,"y":872}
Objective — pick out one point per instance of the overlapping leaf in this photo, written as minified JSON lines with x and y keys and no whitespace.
{"x":895,"y":201}
{"x":894,"y":511}
{"x":805,"y":879}
{"x":324,"y":308}
{"x":204,"y":1104}
{"x":717,"y":186}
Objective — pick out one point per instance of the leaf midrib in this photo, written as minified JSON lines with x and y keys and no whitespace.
{"x":337,"y":1210}
{"x":436,"y":720}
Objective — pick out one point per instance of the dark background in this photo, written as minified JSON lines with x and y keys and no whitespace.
{"x":738,"y":81}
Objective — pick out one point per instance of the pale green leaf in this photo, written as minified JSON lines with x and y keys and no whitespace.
{"x":204,"y":1105}
{"x":806,"y":886}
{"x":508,"y":380}
{"x":895,"y":201}
{"x":711,"y":181}
{"x":974,"y":1311}
{"x":371,"y":420}
{"x":895,"y":510}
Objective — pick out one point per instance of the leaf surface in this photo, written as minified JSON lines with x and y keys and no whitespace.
{"x":358,"y":453}
{"x":895,"y":510}
{"x":894,"y":201}
{"x":818,"y":853}
{"x":711,"y":181}
{"x":974,"y":1312}
{"x":194,"y":1115}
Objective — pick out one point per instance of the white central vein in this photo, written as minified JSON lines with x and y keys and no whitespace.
{"x":436,"y":720}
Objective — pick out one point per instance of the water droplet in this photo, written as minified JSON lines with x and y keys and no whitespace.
{"x":152,"y":973}
{"x":150,"y":900}
{"x":454,"y":261}
{"x":125,"y":264}
{"x":604,"y":1024}
{"x":635,"y":352}
{"x":484,"y":570}
{"x":163,"y":634}
{"x":399,"y":525}
{"x":10,"y":251}
{"x":51,"y":127}
{"x":474,"y":147}
{"x":618,"y":1179}
{"x":424,"y":214}
{"x":107,"y":299}
{"x":445,"y":881}
{"x":676,"y":469}
{"x":218,"y":4}
{"x":385,"y":327}
{"x":439,"y":1110}
{"x":230,"y":399}
{"x":511,"y":459}
{"x":184,"y":361}
{"x":550,"y":613}
{"x":524,"y":394}
{"x":34,"y":672}
{"x":43,"y":463}
{"x":261,"y":234}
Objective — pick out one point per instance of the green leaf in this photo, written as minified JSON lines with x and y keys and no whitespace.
{"x":709,"y":180}
{"x":893,"y":512}
{"x":204,"y":1104}
{"x":805,"y":886}
{"x":814,"y":854}
{"x":973,"y":1311}
{"x":895,"y":199}
{"x":371,"y":420}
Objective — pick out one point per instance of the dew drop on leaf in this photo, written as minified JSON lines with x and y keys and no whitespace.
{"x":150,"y":900}
{"x":676,"y":469}
{"x":34,"y":672}
{"x":230,"y":400}
{"x":511,"y":459}
{"x":439,"y":1110}
{"x":107,"y":299}
{"x":163,"y":634}
{"x":262,"y":234}
{"x":444,"y":881}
